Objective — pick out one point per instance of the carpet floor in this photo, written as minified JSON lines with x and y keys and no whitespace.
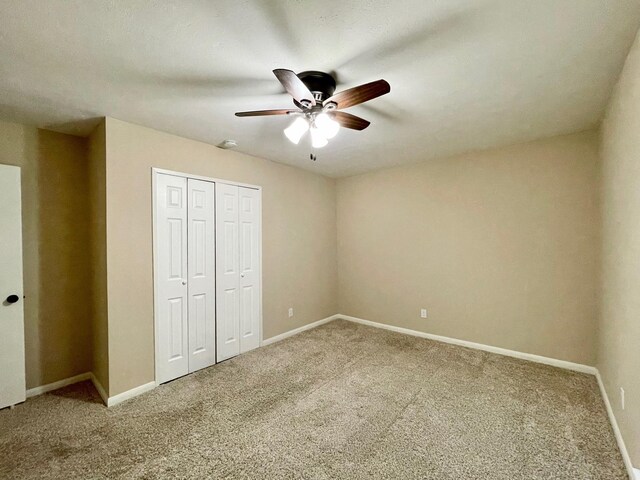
{"x":339,"y":401}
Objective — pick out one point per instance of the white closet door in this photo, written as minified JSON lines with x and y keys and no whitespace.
{"x":249,"y":216}
{"x":227,"y":275}
{"x":201,"y":284}
{"x":172,"y":342}
{"x":12,"y":373}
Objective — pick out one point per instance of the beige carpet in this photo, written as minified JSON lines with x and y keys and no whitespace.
{"x":339,"y":401}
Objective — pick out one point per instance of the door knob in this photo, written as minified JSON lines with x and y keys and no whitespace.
{"x":242,"y":275}
{"x":13,"y":298}
{"x":184,"y":283}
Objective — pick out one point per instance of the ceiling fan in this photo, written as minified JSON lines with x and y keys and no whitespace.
{"x":318,"y":106}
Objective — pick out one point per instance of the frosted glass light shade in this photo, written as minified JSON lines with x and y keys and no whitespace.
{"x":317,"y":139}
{"x":327,"y":125}
{"x":297,"y":129}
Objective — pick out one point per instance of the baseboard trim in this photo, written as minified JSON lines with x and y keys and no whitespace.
{"x":295,"y":331}
{"x":129,"y":394}
{"x":101,"y":391}
{"x":634,"y":473}
{"x":121,"y":397}
{"x":577,"y":367}
{"x":32,"y":392}
{"x":108,"y":401}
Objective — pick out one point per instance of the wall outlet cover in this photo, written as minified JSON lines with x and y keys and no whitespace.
{"x":290,"y":312}
{"x":423,"y":313}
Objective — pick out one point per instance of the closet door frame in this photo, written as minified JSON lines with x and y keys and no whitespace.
{"x":154,"y":173}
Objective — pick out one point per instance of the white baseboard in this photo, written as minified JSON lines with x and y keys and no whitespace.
{"x":134,"y":392}
{"x":108,"y":401}
{"x":32,"y":392}
{"x":101,"y":391}
{"x":121,"y":397}
{"x":633,"y":472}
{"x":295,"y":331}
{"x":578,"y":367}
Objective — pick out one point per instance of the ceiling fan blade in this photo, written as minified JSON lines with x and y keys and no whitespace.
{"x":350,"y":121}
{"x":262,"y":113}
{"x":363,"y":93}
{"x":296,"y":88}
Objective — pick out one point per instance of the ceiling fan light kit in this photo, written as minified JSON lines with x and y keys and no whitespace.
{"x":318,"y":105}
{"x":317,"y":139}
{"x":297,"y":129}
{"x":327,"y":125}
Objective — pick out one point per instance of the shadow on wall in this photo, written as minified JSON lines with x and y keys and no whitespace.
{"x":56,"y":257}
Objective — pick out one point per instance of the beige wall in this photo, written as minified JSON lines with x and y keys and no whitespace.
{"x":501,"y":247}
{"x":98,"y":251}
{"x":55,"y":258}
{"x":619,"y":338}
{"x":299,"y":239}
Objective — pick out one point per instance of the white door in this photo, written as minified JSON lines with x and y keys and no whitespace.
{"x":201,"y":283}
{"x":170,"y":236}
{"x":227,"y":274}
{"x":12,"y":375}
{"x":249,"y":216}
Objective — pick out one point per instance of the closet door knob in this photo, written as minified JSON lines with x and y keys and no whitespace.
{"x":242,"y":275}
{"x":184,"y":282}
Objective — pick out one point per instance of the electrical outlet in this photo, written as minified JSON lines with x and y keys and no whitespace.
{"x":622,"y":397}
{"x":423,"y":313}
{"x":290,"y":312}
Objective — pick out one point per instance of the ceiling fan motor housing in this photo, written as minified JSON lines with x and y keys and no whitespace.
{"x":320,"y":84}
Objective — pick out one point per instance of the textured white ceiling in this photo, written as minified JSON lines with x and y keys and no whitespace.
{"x":464,"y":74}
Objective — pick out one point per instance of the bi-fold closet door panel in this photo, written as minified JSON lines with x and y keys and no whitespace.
{"x":185,"y":276}
{"x":202,"y":274}
{"x":238,"y":270}
{"x":172,"y":340}
{"x":249,"y":248}
{"x":227,"y":277}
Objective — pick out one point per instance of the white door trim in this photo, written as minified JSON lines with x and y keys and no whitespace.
{"x":154,"y":173}
{"x":154,"y":271}
{"x":206,"y":179}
